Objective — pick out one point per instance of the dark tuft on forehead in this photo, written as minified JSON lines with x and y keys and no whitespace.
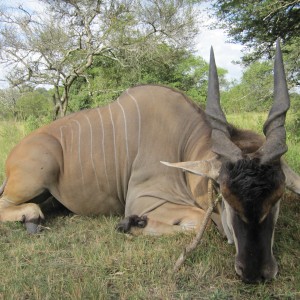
{"x":252,"y":183}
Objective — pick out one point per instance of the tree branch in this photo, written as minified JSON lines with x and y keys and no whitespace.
{"x":193,"y":245}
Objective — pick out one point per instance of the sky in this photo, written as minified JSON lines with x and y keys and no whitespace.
{"x":225,"y":53}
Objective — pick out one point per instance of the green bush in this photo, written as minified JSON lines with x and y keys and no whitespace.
{"x":33,"y":123}
{"x":33,"y":104}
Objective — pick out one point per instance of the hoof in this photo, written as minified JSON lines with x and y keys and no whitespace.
{"x":33,"y":226}
{"x":132,"y":221}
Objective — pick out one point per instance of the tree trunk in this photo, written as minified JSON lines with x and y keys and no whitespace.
{"x":60,"y":102}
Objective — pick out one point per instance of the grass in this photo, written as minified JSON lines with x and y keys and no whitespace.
{"x":10,"y":133}
{"x":255,"y":121}
{"x":85,"y":258}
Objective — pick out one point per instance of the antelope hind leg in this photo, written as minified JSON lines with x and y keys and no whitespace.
{"x":18,"y":190}
{"x":29,"y":213}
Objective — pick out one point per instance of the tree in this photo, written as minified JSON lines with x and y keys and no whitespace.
{"x":34,"y":104}
{"x":168,"y":66}
{"x":254,"y":92}
{"x":8,"y":103}
{"x":23,"y":102}
{"x":58,"y":47}
{"x":257,"y":24}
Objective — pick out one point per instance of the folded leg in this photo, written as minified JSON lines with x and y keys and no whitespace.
{"x":13,"y":206}
{"x":165,"y":219}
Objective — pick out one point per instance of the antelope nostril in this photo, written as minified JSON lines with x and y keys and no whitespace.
{"x":239,"y":269}
{"x":247,"y":277}
{"x":270,"y":271}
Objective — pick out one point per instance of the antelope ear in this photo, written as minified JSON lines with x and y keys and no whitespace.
{"x":207,"y":168}
{"x":292,"y":179}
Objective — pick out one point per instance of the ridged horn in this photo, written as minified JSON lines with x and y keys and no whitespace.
{"x":275,"y":144}
{"x":221,"y":143}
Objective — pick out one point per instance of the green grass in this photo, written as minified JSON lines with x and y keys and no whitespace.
{"x":255,"y":121}
{"x":10,"y":133}
{"x":85,"y":258}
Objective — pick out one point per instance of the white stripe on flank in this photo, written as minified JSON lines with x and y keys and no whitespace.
{"x":72,"y":138}
{"x":79,"y":150}
{"x":115,"y":149}
{"x":61,"y":134}
{"x":139,"y":115}
{"x":126,"y":135}
{"x":91,"y":152}
{"x":103,"y":147}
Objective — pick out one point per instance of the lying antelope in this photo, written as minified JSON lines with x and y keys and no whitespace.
{"x":107,"y":161}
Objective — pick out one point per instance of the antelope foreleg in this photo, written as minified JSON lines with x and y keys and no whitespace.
{"x":166,"y":219}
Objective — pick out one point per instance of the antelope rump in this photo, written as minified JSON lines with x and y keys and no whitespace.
{"x":108,"y":161}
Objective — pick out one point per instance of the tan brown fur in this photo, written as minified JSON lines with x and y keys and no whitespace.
{"x":107,"y":160}
{"x":248,"y":141}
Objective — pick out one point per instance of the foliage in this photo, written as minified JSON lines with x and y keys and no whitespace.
{"x":168,"y":66}
{"x":254,"y":92}
{"x":8,"y":101}
{"x":107,"y":78}
{"x":33,"y":123}
{"x":10,"y":134}
{"x":255,"y":121}
{"x":26,"y":104}
{"x":293,"y":127}
{"x":257,"y":24}
{"x":58,"y":45}
{"x":33,"y":104}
